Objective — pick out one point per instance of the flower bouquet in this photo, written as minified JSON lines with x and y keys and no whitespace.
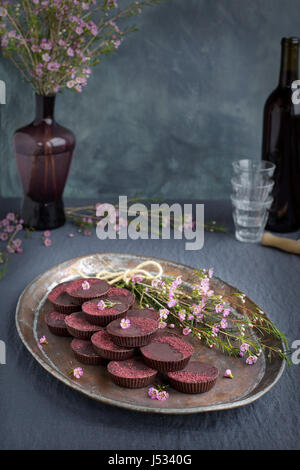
{"x":54,"y":44}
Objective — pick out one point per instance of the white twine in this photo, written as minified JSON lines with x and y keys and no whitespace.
{"x":126,"y":275}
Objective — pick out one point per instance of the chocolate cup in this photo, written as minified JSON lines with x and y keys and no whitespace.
{"x":123,"y":380}
{"x":80,"y":334}
{"x":58,"y":331}
{"x":136,"y":338}
{"x":168,"y":352}
{"x":132,"y":341}
{"x":143,"y":313}
{"x":207,"y":377}
{"x":110,"y":354}
{"x":122,"y":292}
{"x":61,"y":307}
{"x":132,"y":382}
{"x":123,"y":375}
{"x":66,"y":309}
{"x":166,"y":366}
{"x":86,"y":359}
{"x":114,"y":355}
{"x":87,"y":295}
{"x":192,"y":388}
{"x":77,"y":332}
{"x":102,"y":319}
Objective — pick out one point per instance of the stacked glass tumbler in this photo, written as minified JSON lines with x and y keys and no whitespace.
{"x":252,"y":186}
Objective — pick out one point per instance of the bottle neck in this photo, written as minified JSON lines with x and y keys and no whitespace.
{"x":44,"y":108}
{"x":289,"y":71}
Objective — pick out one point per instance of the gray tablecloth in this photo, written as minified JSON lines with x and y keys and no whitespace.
{"x":39,"y":412}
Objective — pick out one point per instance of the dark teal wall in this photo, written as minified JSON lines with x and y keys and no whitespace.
{"x":167,"y":114}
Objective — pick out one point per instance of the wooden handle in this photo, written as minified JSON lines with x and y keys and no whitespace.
{"x":285,"y":244}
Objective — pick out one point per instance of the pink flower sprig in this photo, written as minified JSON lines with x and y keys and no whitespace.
{"x":47,"y":238}
{"x":52,"y":57}
{"x":10,"y":227}
{"x":103,"y":304}
{"x":85,"y":225}
{"x":76,"y":372}
{"x":202,"y":313}
{"x":158,"y":393}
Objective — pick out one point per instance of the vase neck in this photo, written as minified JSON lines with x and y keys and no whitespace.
{"x":44,"y":108}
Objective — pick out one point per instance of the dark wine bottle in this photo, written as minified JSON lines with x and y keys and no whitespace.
{"x":281,"y":143}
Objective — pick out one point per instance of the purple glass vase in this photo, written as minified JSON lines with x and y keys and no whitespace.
{"x":44,"y":152}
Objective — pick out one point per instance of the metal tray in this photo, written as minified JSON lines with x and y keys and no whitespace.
{"x":249,"y":384}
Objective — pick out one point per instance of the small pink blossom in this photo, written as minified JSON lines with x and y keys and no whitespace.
{"x":3,"y":11}
{"x":164,"y":313}
{"x":71,"y":235}
{"x":71,"y":83}
{"x":226,"y":311}
{"x":251,"y":360}
{"x":172,"y":325}
{"x":125,"y":323}
{"x":162,"y":396}
{"x":47,"y":242}
{"x":244,"y":347}
{"x":46,"y":57}
{"x":137,"y":279}
{"x":77,"y":372}
{"x":47,"y":233}
{"x":196,"y":309}
{"x":10,"y":216}
{"x":152,"y":393}
{"x":182,"y":315}
{"x":101,"y":305}
{"x":53,"y":66}
{"x":3,"y":236}
{"x":186,"y":331}
{"x":17,"y":242}
{"x":43,"y":340}
{"x":228,"y":374}
{"x":85,"y":285}
{"x":172,"y":303}
{"x":224,"y":323}
{"x":162,"y":325}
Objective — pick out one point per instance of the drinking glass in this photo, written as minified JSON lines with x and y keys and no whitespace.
{"x":251,"y":198}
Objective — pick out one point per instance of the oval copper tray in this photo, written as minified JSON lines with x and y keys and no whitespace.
{"x":249,"y":383}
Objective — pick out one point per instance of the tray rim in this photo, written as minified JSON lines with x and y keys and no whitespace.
{"x":73,"y":385}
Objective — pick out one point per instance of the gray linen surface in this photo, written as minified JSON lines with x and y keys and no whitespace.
{"x":39,"y":412}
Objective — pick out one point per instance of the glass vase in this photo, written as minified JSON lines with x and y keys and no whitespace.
{"x":44,"y":152}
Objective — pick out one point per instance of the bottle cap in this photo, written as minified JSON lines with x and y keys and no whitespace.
{"x":293,"y":41}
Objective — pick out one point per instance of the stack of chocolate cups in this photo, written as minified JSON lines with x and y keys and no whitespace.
{"x":105,"y":327}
